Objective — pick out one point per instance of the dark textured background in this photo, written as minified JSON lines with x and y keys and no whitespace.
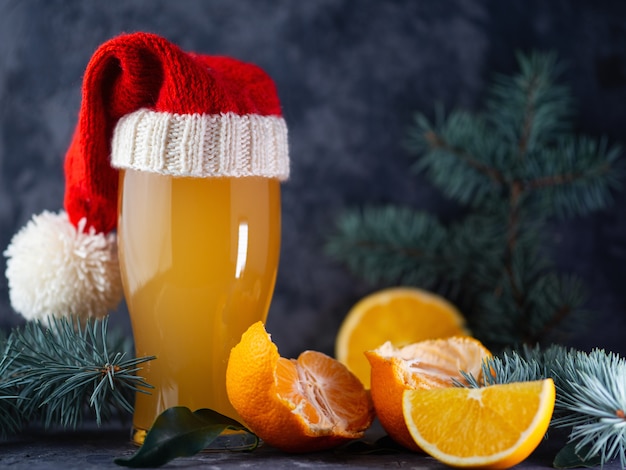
{"x":350,"y":74}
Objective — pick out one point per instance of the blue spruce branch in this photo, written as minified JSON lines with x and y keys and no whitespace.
{"x":56,"y":373}
{"x":514,"y":165}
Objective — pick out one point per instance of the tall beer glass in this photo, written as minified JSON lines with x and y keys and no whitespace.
{"x":198,"y":258}
{"x":200,"y":145}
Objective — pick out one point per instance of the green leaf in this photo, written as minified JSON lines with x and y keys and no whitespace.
{"x":179,"y":432}
{"x":568,"y":457}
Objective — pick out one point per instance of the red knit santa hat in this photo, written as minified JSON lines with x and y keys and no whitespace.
{"x":147,"y":106}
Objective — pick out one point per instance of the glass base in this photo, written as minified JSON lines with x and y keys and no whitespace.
{"x":227,"y":440}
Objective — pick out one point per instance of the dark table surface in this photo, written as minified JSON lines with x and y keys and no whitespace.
{"x":96,"y":448}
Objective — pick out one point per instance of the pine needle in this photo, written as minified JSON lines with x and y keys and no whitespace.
{"x":390,"y":243}
{"x":592,"y":398}
{"x":61,"y":371}
{"x":591,"y":393}
{"x":11,"y":419}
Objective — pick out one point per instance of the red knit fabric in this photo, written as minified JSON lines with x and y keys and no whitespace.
{"x":143,"y":70}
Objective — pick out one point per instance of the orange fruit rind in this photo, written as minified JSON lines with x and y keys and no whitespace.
{"x":296,"y":405}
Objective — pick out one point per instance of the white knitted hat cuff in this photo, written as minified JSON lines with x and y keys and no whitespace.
{"x":201,"y":145}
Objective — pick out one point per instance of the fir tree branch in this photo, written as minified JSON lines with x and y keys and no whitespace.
{"x":436,"y":142}
{"x":576,"y":177}
{"x":592,"y":397}
{"x":387,"y":244}
{"x":460,"y":155}
{"x":591,"y":393}
{"x":514,"y":165}
{"x":62,"y":370}
{"x":10,"y":417}
{"x":474,"y":247}
{"x":529,"y":109}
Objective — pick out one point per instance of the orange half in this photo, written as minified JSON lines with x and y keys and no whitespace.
{"x":490,"y":427}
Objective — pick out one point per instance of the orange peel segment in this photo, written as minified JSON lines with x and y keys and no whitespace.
{"x":297,"y":405}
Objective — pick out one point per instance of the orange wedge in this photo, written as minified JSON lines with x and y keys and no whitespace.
{"x":302,"y":405}
{"x":491,"y":427}
{"x":423,"y":365}
{"x":402,"y":315}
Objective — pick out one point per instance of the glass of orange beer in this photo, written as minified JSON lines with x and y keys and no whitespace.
{"x":200,"y":145}
{"x":199,"y":258}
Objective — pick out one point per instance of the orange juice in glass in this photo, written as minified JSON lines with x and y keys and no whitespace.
{"x":199,"y":258}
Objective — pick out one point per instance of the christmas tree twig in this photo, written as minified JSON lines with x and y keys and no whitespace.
{"x":514,"y":166}
{"x":11,"y":420}
{"x":55,"y":373}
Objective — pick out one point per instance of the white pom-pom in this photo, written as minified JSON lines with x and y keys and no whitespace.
{"x":56,"y":269}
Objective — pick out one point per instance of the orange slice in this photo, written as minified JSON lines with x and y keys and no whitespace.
{"x":423,"y":365}
{"x":402,"y":315}
{"x":491,"y":427}
{"x":302,"y":405}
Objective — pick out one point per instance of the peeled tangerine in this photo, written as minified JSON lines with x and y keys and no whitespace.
{"x":423,"y":365}
{"x":296,"y":405}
